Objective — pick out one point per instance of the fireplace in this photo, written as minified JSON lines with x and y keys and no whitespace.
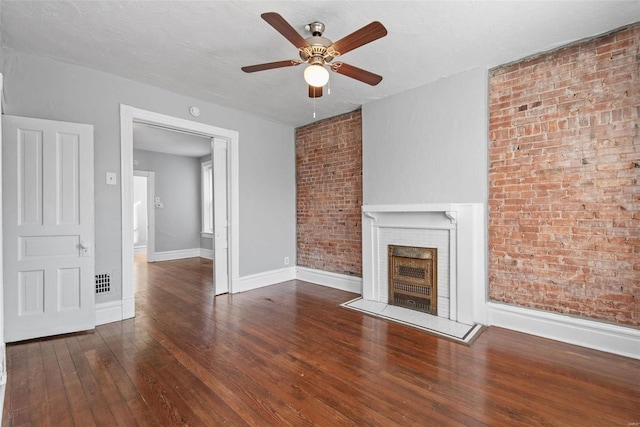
{"x":413,"y":277}
{"x":455,"y":231}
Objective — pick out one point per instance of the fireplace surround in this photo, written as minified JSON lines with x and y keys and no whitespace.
{"x":456,"y":230}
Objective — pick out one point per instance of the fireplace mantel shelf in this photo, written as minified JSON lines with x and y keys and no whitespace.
{"x":424,"y":207}
{"x":450,"y":210}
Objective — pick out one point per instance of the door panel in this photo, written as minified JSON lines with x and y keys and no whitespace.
{"x":48,"y":246}
{"x":70,"y":289}
{"x":29,"y":163}
{"x":48,"y":227}
{"x":31,"y":292}
{"x":68,"y":168}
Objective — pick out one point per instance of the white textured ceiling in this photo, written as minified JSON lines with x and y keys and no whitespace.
{"x":168,"y":141}
{"x":197,"y":48}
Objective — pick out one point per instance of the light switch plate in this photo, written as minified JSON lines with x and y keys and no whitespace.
{"x":111,"y":178}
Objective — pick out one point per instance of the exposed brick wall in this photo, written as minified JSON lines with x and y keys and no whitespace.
{"x":329,"y":194}
{"x":564,"y":191}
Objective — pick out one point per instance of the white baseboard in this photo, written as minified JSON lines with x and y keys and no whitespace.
{"x":108,"y":312}
{"x":140,"y":250}
{"x":615,"y":339}
{"x":115,"y":311}
{"x":3,"y":365}
{"x":624,"y":341}
{"x":259,"y":280}
{"x":331,"y":280}
{"x":177,"y":254}
{"x":3,"y":389}
{"x":128,"y":308}
{"x":206,"y":253}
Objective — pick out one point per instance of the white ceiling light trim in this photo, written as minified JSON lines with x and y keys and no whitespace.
{"x":316,"y":75}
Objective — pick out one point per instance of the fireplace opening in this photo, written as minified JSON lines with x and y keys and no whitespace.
{"x":413,"y":278}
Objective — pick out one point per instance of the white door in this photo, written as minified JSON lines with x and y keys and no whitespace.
{"x":47,"y":176}
{"x":220,"y":217}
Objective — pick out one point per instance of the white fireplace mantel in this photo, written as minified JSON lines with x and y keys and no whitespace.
{"x":467,"y":251}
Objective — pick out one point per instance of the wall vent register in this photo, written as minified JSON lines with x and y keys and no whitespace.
{"x":413,"y":278}
{"x":103,"y":283}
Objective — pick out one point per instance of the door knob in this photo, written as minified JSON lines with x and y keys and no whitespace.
{"x":84,"y":248}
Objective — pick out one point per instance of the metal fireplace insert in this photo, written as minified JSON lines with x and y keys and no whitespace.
{"x":413,"y":278}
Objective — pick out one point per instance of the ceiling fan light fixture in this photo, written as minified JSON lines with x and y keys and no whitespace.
{"x":316,"y":75}
{"x":318,"y":52}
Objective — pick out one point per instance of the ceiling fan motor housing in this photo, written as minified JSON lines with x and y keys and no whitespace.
{"x":319,"y":47}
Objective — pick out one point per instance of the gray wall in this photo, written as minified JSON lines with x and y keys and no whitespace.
{"x":429,"y":144}
{"x":206,"y":243}
{"x":36,"y":86}
{"x":177,"y":183}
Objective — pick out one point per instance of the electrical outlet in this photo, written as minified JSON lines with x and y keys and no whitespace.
{"x":286,"y":260}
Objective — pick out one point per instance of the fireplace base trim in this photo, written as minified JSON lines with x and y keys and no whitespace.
{"x":435,"y":325}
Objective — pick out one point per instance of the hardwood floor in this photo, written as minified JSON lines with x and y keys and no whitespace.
{"x":289,"y":355}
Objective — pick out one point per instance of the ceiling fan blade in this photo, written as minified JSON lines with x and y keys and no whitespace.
{"x":315,"y":92}
{"x":364,"y":35}
{"x":284,"y":28}
{"x":271,"y":65}
{"x":356,"y":73}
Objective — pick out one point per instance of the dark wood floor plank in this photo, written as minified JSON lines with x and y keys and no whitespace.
{"x":95,"y":398}
{"x":288,"y":354}
{"x":265,"y":405}
{"x":18,"y":400}
{"x":100,"y":361}
{"x":118,"y":378}
{"x":214,"y":373}
{"x":58,"y":404}
{"x":38,"y":401}
{"x":76,"y":396}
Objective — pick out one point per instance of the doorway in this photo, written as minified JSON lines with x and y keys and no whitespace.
{"x":226,"y":231}
{"x":140,"y":216}
{"x":144,"y":213}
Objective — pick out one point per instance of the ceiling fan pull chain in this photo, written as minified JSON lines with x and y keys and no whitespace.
{"x":314,"y":108}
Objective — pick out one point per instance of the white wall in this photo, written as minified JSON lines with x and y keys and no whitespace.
{"x":36,"y":86}
{"x":429,"y":144}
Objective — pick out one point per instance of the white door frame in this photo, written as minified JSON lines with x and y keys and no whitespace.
{"x":129,"y":115}
{"x":151,"y":212}
{"x":3,"y":365}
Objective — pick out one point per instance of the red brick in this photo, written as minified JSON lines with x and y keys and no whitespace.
{"x":329,"y":194}
{"x":564,"y":193}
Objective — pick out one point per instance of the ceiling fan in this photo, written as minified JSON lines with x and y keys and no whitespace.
{"x":318,"y":52}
